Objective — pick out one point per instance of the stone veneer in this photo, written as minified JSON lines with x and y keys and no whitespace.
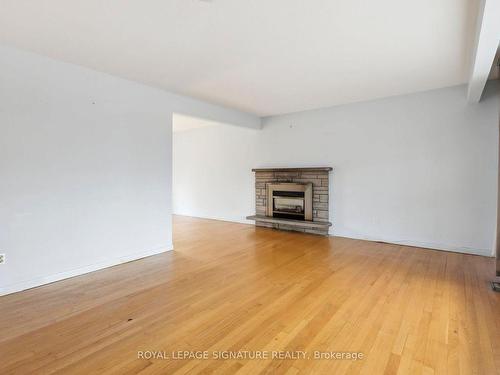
{"x":319,"y":177}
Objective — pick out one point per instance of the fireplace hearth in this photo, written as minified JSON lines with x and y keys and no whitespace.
{"x":292,"y":199}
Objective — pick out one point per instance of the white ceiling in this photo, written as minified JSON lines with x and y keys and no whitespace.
{"x":261,"y":56}
{"x":182,"y":123}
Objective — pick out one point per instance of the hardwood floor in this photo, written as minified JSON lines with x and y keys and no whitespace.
{"x":233,"y":287}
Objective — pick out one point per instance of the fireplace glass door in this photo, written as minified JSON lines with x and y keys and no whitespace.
{"x":288,"y":204}
{"x":290,"y":201}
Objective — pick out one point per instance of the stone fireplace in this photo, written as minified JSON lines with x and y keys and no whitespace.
{"x":292,"y":199}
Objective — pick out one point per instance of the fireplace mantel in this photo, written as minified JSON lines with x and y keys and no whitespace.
{"x":305,"y":169}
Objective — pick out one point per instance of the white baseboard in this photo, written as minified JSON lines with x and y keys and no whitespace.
{"x":358,"y":236}
{"x":220,"y":218}
{"x":425,"y":245}
{"x":38,"y":281}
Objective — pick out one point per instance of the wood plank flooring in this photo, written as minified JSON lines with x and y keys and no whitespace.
{"x":230,"y":288}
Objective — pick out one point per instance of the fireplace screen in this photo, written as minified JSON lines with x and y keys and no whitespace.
{"x":290,"y":201}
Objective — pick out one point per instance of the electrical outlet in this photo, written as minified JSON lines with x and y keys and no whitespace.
{"x":2,"y":258}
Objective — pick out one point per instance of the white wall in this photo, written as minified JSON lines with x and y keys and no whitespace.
{"x":85,"y":168}
{"x":212,"y":170}
{"x":418,"y":169}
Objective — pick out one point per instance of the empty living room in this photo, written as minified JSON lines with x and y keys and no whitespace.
{"x":249,"y":187}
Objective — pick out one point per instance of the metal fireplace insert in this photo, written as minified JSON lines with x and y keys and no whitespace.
{"x":289,"y":201}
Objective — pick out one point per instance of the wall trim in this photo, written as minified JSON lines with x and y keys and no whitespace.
{"x":43,"y":280}
{"x":238,"y":220}
{"x":424,"y":245}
